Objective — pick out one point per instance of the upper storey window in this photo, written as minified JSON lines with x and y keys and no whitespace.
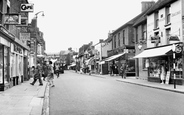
{"x":168,"y":15}
{"x":156,"y":20}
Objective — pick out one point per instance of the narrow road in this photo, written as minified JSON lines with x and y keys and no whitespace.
{"x":76,"y":94}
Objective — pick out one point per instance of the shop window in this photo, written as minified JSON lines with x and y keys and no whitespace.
{"x":6,"y":65}
{"x":1,"y":64}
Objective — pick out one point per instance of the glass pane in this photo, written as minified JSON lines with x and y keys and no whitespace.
{"x":6,"y":67}
{"x":1,"y":64}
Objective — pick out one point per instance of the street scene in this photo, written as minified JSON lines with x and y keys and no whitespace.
{"x":107,"y":57}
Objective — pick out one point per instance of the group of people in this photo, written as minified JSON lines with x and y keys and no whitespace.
{"x":122,"y":69}
{"x":46,"y":70}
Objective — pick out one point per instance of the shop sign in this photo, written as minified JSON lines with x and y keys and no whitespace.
{"x":178,"y":49}
{"x":24,"y":21}
{"x":27,"y":7}
{"x":24,"y":37}
{"x":23,"y":29}
{"x":13,"y":19}
{"x":18,"y":49}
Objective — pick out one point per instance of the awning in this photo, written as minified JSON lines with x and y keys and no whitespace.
{"x":114,"y":56}
{"x":154,"y":52}
{"x":102,"y":62}
{"x":90,"y":61}
{"x":73,"y":64}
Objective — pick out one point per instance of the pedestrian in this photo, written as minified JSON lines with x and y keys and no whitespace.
{"x":45,"y":70}
{"x":163,"y":73}
{"x":116,"y":70}
{"x":57,"y":70}
{"x":37,"y":75}
{"x":50,"y":76}
{"x":32,"y":71}
{"x":123,"y":70}
{"x":112,"y":67}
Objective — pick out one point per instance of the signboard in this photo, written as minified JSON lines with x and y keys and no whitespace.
{"x":24,"y":37}
{"x":12,"y":19}
{"x":27,"y":7}
{"x":167,"y":77}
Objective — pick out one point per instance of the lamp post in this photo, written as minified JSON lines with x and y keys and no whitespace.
{"x":36,"y":16}
{"x":174,"y":63}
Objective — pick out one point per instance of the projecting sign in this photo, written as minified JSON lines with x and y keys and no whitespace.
{"x":12,"y":19}
{"x":26,"y":7}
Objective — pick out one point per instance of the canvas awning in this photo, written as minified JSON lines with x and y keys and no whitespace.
{"x":73,"y":64}
{"x":154,"y":52}
{"x":114,"y":57}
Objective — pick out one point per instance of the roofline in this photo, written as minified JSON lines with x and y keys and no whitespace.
{"x":158,"y":3}
{"x":131,"y":22}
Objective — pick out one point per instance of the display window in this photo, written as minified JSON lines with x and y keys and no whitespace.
{"x":156,"y":64}
{"x":178,"y":67}
{"x":6,"y":65}
{"x":1,"y":64}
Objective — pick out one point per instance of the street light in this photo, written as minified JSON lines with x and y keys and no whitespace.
{"x":36,"y":16}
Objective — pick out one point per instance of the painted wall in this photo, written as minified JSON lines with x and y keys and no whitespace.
{"x":176,"y":24}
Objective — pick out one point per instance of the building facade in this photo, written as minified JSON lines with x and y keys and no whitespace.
{"x":165,"y":33}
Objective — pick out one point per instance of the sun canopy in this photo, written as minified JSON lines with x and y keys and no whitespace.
{"x":159,"y":51}
{"x":114,"y":56}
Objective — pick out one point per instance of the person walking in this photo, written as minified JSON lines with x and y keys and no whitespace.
{"x":45,"y":70}
{"x":50,"y":76}
{"x":123,"y":70}
{"x":57,"y":70}
{"x":37,"y":75}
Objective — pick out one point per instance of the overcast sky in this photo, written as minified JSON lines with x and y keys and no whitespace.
{"x":72,"y":23}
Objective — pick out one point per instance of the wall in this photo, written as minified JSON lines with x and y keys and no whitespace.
{"x":176,"y":24}
{"x":105,"y":48}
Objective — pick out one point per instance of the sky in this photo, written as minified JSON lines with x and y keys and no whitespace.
{"x":72,"y":23}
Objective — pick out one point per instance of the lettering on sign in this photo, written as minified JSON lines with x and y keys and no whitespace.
{"x":175,"y":13}
{"x":24,"y":37}
{"x":26,"y":7}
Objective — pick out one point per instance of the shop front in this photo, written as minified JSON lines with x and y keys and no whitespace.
{"x":124,"y":57}
{"x":160,"y":64}
{"x":4,"y":64}
{"x":17,"y":64}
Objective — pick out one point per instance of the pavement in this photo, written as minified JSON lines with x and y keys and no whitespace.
{"x":25,"y":99}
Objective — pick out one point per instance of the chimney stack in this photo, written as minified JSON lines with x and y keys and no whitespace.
{"x":147,"y":4}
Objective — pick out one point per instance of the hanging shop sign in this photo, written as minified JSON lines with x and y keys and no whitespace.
{"x":24,"y":37}
{"x":13,"y":19}
{"x":178,"y":49}
{"x":27,"y":7}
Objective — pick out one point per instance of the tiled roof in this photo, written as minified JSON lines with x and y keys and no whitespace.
{"x":131,"y":22}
